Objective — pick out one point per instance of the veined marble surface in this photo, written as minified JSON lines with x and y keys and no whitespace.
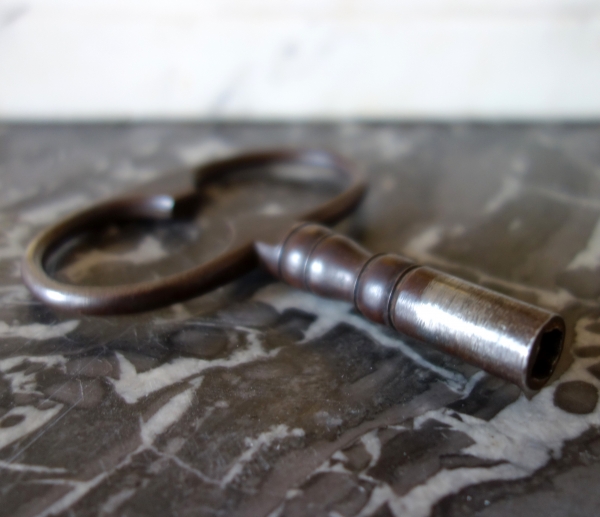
{"x":260,"y":400}
{"x":283,"y":59}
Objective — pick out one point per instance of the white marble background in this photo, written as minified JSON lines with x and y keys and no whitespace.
{"x":319,"y":59}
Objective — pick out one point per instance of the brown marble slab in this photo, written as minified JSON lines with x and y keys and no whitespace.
{"x":260,"y":400}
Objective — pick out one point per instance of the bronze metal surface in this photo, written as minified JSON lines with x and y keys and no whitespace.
{"x":141,"y":205}
{"x":506,"y":337}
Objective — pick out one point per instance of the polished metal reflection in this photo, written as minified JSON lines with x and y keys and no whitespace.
{"x":506,"y":337}
{"x":502,"y":335}
{"x":342,"y":185}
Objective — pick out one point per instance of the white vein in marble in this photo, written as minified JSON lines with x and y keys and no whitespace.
{"x":589,"y":257}
{"x":132,"y":385}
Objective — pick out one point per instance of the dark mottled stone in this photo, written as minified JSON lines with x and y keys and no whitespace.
{"x":350,"y":352}
{"x":294,"y":322}
{"x":141,"y":362}
{"x":44,"y":404}
{"x":25,"y":399}
{"x":326,"y":493}
{"x":552,"y":168}
{"x":90,"y":367}
{"x":26,"y":366}
{"x":265,"y":371}
{"x":489,"y":396}
{"x":11,"y":420}
{"x":320,"y":394}
{"x":288,"y":329}
{"x":34,"y":368}
{"x":203,"y":342}
{"x":6,"y":397}
{"x":460,"y":461}
{"x":565,"y":486}
{"x":412,"y":456}
{"x":383,"y":511}
{"x":593,"y":327}
{"x":358,"y":457}
{"x":488,"y":245}
{"x":587,"y":351}
{"x":578,"y":397}
{"x":595,"y":370}
{"x":82,"y":394}
{"x":254,"y":314}
{"x":582,"y":282}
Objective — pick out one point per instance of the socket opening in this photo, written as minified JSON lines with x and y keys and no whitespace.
{"x":548,"y":348}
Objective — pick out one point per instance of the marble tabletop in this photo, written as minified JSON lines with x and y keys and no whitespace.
{"x":261,"y":400}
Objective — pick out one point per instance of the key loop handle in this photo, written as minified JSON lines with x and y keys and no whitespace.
{"x":141,"y":296}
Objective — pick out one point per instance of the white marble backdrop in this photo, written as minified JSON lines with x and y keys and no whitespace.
{"x":319,"y":59}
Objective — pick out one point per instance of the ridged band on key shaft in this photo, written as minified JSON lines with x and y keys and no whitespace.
{"x":506,"y":337}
